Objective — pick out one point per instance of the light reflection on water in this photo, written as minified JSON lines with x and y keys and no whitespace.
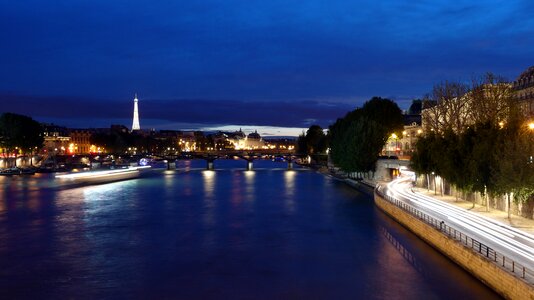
{"x":209,"y":199}
{"x":250,"y":194}
{"x":289,"y":184}
{"x":228,"y":233}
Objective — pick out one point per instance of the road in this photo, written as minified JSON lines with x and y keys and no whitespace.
{"x":506,"y":240}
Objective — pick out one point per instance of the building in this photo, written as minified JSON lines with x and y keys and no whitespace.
{"x":56,"y":139}
{"x":80,"y":141}
{"x":241,"y":141}
{"x":484,"y":103}
{"x":221,"y":141}
{"x":403,"y":145}
{"x":254,"y":141}
{"x":187,"y":141}
{"x":524,"y":91}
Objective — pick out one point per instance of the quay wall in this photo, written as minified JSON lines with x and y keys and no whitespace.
{"x":503,"y":282}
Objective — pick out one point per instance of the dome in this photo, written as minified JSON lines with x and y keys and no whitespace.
{"x":254,"y":135}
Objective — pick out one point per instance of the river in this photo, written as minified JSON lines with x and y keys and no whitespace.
{"x":225,"y":234}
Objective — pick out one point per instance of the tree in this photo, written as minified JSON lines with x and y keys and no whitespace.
{"x":386,"y":113}
{"x":514,"y":171}
{"x":356,"y":139}
{"x":369,"y":141}
{"x":491,"y":100}
{"x":302,"y":144}
{"x":313,"y":141}
{"x":482,"y":160}
{"x":415,"y":107}
{"x":447,"y":108}
{"x":20,"y":132}
{"x":114,"y":142}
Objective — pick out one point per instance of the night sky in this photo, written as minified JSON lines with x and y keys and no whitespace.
{"x":204,"y":64}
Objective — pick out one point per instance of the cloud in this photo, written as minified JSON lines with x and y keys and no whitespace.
{"x":200,"y":111}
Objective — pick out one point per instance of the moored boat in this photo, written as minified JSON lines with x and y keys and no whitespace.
{"x":10,"y":172}
{"x":17,"y":171}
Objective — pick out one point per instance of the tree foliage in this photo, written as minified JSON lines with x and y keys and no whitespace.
{"x":484,"y":158}
{"x":113,"y":142}
{"x":314,"y":141}
{"x":446,"y":107}
{"x":22,"y":132}
{"x":357,"y":139}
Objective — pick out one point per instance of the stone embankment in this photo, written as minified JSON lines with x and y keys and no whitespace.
{"x":509,"y":285}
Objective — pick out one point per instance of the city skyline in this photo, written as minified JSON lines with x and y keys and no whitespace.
{"x":278,"y":64}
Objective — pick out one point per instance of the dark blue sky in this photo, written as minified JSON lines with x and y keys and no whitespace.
{"x":273,"y":63}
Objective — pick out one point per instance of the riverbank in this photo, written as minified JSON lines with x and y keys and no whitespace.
{"x":365,"y":186}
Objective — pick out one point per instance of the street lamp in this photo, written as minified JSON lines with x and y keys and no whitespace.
{"x":531,"y":128}
{"x":394,"y":138}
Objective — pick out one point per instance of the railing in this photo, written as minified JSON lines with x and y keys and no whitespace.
{"x":506,"y":262}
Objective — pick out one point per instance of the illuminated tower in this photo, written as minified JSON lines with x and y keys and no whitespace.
{"x":135,"y":124}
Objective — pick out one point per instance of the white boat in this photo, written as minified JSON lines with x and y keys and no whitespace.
{"x":103,"y":176}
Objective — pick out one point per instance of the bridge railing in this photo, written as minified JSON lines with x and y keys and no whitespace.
{"x":480,"y":248}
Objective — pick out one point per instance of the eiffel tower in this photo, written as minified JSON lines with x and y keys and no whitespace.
{"x":135,"y":124}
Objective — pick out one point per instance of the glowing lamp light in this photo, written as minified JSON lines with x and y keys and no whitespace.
{"x":143,"y":162}
{"x":71,"y":148}
{"x":531,"y":125}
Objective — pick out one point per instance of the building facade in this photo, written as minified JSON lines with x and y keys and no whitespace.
{"x":80,"y":142}
{"x":523,"y":87}
{"x":56,"y":139}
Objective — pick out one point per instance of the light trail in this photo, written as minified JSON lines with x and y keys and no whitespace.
{"x":103,"y":175}
{"x":504,"y":239}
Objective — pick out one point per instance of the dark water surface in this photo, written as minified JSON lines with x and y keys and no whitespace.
{"x":225,"y":234}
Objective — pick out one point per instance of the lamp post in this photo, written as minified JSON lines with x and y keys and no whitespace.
{"x":394,"y":137}
{"x":531,"y":128}
{"x":434,"y":179}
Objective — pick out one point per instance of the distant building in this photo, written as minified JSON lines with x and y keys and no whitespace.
{"x":247,"y":142}
{"x":404,"y":144}
{"x":56,"y":139}
{"x":80,"y":141}
{"x":254,"y":141}
{"x":524,"y":91}
{"x":488,"y":103}
{"x":221,"y":141}
{"x":187,"y":141}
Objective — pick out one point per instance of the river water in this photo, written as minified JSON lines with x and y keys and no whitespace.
{"x":224,"y":234}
